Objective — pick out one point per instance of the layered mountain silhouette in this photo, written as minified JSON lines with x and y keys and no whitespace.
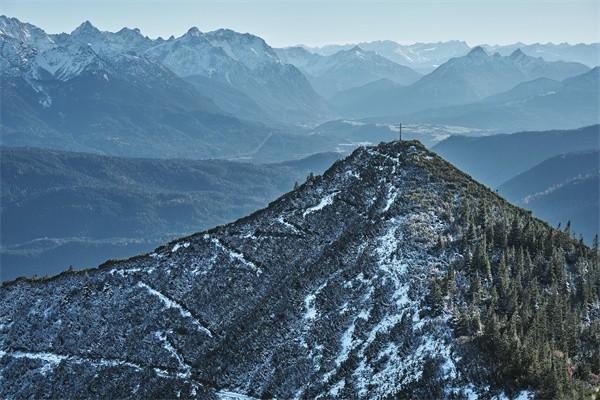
{"x":539,"y":104}
{"x":119,"y":93}
{"x":346,"y":69}
{"x":460,"y":80}
{"x":247,"y":64}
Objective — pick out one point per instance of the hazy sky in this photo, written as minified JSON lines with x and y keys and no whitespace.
{"x":312,"y":22}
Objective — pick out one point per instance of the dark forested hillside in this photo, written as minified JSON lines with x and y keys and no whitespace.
{"x":61,"y":209}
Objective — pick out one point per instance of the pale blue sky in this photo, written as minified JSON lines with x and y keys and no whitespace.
{"x":312,"y":22}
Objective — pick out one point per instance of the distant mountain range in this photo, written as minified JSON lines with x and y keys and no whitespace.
{"x":460,"y":80}
{"x":224,"y":94}
{"x":561,"y":189}
{"x":346,"y":69}
{"x":61,"y":208}
{"x":538,"y":104}
{"x":247,"y":64}
{"x":61,"y":92}
{"x":425,"y":57}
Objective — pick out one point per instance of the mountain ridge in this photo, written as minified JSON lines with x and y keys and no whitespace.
{"x":352,"y":315}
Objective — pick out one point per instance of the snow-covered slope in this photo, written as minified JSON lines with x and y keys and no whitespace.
{"x":246,"y":63}
{"x":25,"y":33}
{"x":106,"y":43}
{"x":235,"y":62}
{"x":324,"y":294}
{"x":98,"y":91}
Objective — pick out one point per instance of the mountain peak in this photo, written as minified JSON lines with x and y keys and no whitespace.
{"x":129,"y":32}
{"x":518,"y":53}
{"x":477,"y":51}
{"x":86,"y":28}
{"x":323,"y":284}
{"x":194,"y":31}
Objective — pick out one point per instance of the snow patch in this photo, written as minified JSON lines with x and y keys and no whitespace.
{"x":325,"y":201}
{"x":235,"y":255}
{"x":283,"y":222}
{"x":227,"y":395}
{"x":169,"y":303}
{"x":180,"y":245}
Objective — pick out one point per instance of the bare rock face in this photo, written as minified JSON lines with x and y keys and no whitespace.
{"x":320,"y":295}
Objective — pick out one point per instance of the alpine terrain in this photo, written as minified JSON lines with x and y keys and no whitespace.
{"x":393,"y":275}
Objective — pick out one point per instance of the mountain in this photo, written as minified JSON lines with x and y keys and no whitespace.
{"x":70,"y":97}
{"x":107,"y":44}
{"x":25,"y":33}
{"x":215,"y":80}
{"x":425,"y":57}
{"x":561,"y":189}
{"x":346,"y":69}
{"x":61,"y":208}
{"x":495,"y":159}
{"x":422,"y":57}
{"x":588,"y":54}
{"x":460,"y":80}
{"x":241,"y":62}
{"x":245,"y":63}
{"x":359,"y":284}
{"x":539,"y":104}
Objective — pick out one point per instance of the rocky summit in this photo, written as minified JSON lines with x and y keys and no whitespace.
{"x":351,"y":286}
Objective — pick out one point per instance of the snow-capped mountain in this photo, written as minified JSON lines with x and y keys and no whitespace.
{"x":365,"y":282}
{"x":105,"y":43}
{"x":425,"y":57}
{"x":460,"y":80}
{"x":83,"y":93}
{"x":25,"y":33}
{"x":478,"y":75}
{"x":248,"y":49}
{"x":266,"y":88}
{"x":67,"y":62}
{"x":245,"y":63}
{"x":422,"y":57}
{"x":346,"y":68}
{"x":588,"y":54}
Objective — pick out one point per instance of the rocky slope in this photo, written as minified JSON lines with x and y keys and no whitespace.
{"x":324,"y":294}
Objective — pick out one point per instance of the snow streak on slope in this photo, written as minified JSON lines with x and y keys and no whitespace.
{"x":170,"y":303}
